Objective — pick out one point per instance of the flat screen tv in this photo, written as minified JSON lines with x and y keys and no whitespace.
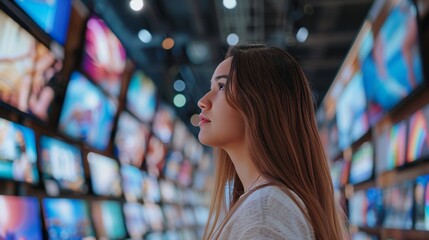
{"x":358,"y":209}
{"x":362,"y":165}
{"x":27,"y":70}
{"x":20,"y":218}
{"x":421,"y":222}
{"x":397,"y":146}
{"x":352,"y":118}
{"x":155,"y":157}
{"x":108,"y":219}
{"x":61,"y":165}
{"x":105,"y":175}
{"x":418,"y":135}
{"x":151,"y":191}
{"x":390,"y":56}
{"x":132,"y":182}
{"x":173,"y":165}
{"x":398,"y":206}
{"x":67,"y":218}
{"x":131,"y":140}
{"x":141,"y":96}
{"x":87,"y":113}
{"x":135,"y":221}
{"x":153,"y":214}
{"x":163,"y":123}
{"x":18,"y":156}
{"x":168,"y":191}
{"x":104,"y":57}
{"x":52,"y":16}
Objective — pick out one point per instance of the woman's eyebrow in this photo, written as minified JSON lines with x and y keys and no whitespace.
{"x":217,"y":78}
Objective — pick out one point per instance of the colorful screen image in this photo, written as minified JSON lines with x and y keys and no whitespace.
{"x":27,"y":70}
{"x":151,"y":191}
{"x":153,"y":213}
{"x":135,"y":222}
{"x":131,"y":140}
{"x":53,"y":16}
{"x":180,"y":134}
{"x":397,"y":147}
{"x":427,"y":207}
{"x":398,"y":205}
{"x":340,"y":171}
{"x":87,"y":113}
{"x":172,"y":216}
{"x":186,"y":173}
{"x":155,"y":157}
{"x":374,"y":213}
{"x":168,"y":191}
{"x":104,"y":58}
{"x":141,"y":96}
{"x":20,"y":218}
{"x":363,"y":236}
{"x":193,"y":149}
{"x":108,"y":219}
{"x":163,"y":123}
{"x":62,"y":164}
{"x":358,"y":208}
{"x":173,"y":165}
{"x":18,"y":156}
{"x":105,"y":175}
{"x":418,"y":135}
{"x":67,"y":219}
{"x":362,"y":166}
{"x":421,"y":222}
{"x":352,"y":119}
{"x":132,"y":182}
{"x":390,"y":58}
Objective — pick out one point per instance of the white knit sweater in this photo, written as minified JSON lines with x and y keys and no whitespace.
{"x":268,"y":213}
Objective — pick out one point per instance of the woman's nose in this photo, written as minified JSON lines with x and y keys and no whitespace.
{"x":204,"y":103}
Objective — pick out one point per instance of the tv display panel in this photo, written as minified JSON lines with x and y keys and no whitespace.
{"x":62,"y":164}
{"x":180,"y":135}
{"x":153,"y":214}
{"x":135,"y":222}
{"x":362,"y":166}
{"x":131,"y":140}
{"x":105,"y":175}
{"x":67,"y":219}
{"x":172,"y":165}
{"x":390,"y":57}
{"x":27,"y":70}
{"x":358,"y":209}
{"x":398,"y":205}
{"x":108,"y":220}
{"x":163,"y":123}
{"x":141,"y":96}
{"x":132,"y":182}
{"x":168,"y":191}
{"x":20,"y":218}
{"x":421,"y":222}
{"x":155,"y":157}
{"x":104,"y":57}
{"x":18,"y":156}
{"x":397,"y":147}
{"x":87,"y":113}
{"x":52,"y":16}
{"x":151,"y":191}
{"x":418,"y":135}
{"x":185,"y":174}
{"x":352,"y":119}
{"x":374,"y":212}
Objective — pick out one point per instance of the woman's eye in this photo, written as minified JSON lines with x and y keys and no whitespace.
{"x":220,"y":85}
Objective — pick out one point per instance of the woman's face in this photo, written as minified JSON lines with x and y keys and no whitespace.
{"x":220,"y":124}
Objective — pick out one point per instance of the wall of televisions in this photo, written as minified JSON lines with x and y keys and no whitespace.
{"x":374,"y":122}
{"x":87,"y":148}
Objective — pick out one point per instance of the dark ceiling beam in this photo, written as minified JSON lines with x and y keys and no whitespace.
{"x":337,"y":3}
{"x":195,"y":9}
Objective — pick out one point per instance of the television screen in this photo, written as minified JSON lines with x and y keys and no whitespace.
{"x":180,"y":135}
{"x":151,"y":191}
{"x":61,"y":164}
{"x":131,"y":140}
{"x":18,"y":156}
{"x":27,"y":70}
{"x":398,"y":204}
{"x":421,"y":222}
{"x":132,"y":182}
{"x":358,"y":209}
{"x":153,"y":214}
{"x":418,"y":135}
{"x":352,"y":119}
{"x":20,"y":218}
{"x":163,"y":123}
{"x":362,"y":166}
{"x":108,"y":220}
{"x":374,"y":213}
{"x":155,"y":157}
{"x":168,"y":191}
{"x":193,"y":149}
{"x":390,"y":56}
{"x":184,"y":178}
{"x":87,"y":113}
{"x":172,"y":216}
{"x":67,"y":219}
{"x":397,"y":147}
{"x":52,"y":16}
{"x":364,"y":236}
{"x":105,"y":175}
{"x":173,"y":165}
{"x":427,"y":207}
{"x":141,"y":96}
{"x":382,"y":142}
{"x":104,"y":57}
{"x":135,"y":222}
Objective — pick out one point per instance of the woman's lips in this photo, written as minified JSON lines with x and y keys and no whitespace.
{"x":203,"y":120}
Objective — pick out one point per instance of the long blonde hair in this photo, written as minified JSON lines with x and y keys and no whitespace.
{"x":268,"y":87}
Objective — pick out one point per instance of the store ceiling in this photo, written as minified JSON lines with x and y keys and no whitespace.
{"x":204,"y":25}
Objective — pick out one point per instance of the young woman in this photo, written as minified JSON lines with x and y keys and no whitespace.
{"x":272,"y":179}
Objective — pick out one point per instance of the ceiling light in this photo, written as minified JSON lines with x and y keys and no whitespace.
{"x":302,"y":34}
{"x":136,"y":5}
{"x":168,"y":43}
{"x":179,"y":85}
{"x":145,"y":36}
{"x":179,"y":100}
{"x":232,"y":39}
{"x":229,"y":4}
{"x":195,"y":119}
